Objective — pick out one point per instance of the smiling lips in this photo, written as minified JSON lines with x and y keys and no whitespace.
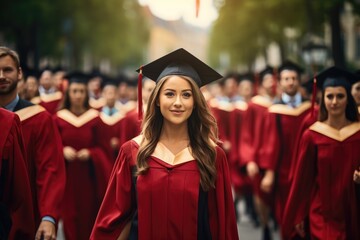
{"x":177,"y":112}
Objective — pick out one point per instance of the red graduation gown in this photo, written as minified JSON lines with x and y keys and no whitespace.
{"x":111,"y":129}
{"x":282,"y":126}
{"x":50,"y":102}
{"x":252,"y":148}
{"x":167,"y":199}
{"x":16,"y":191}
{"x":239,"y":138}
{"x":323,"y":186}
{"x":130,"y":126}
{"x":86,"y":180}
{"x":45,"y":159}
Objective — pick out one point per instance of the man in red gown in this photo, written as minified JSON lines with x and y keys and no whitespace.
{"x":282,"y":125}
{"x":43,"y":147}
{"x":15,"y":192}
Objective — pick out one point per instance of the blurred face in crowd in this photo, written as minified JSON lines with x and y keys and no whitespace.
{"x":335,"y":99}
{"x":268,"y":83}
{"x":230,"y":87}
{"x":58,"y":79}
{"x":10,"y":75}
{"x":109,"y":93}
{"x":147,"y":87}
{"x":246,"y":89}
{"x":123,"y":91}
{"x":77,"y":94}
{"x":289,"y":82}
{"x":355,"y":91}
{"x":46,"y":80}
{"x":94,"y":85}
{"x":31,"y":86}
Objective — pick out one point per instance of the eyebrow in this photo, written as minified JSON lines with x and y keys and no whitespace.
{"x":169,"y":89}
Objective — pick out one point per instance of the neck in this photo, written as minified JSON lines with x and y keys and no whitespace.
{"x":171,"y":133}
{"x":77,"y":110}
{"x":8,"y":98}
{"x":337,"y":122}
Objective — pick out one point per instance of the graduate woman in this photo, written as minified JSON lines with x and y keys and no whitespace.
{"x":87,"y":167}
{"x":172,"y":181}
{"x":325,"y":189}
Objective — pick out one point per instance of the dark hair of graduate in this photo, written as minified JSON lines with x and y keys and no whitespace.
{"x":202,"y":130}
{"x":66,"y":104}
{"x":351,"y":110}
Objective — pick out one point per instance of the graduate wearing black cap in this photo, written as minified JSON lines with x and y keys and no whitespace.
{"x":281,"y":124}
{"x":328,"y":166}
{"x":182,"y":180}
{"x":87,"y":166}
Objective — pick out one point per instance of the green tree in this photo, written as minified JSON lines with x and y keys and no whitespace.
{"x":245,"y":28}
{"x":111,"y":29}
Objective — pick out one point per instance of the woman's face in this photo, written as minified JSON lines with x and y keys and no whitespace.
{"x":77,"y":94}
{"x":355,"y":91}
{"x":176,"y":100}
{"x":335,"y":99}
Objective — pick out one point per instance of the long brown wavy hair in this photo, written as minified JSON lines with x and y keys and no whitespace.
{"x":202,"y":130}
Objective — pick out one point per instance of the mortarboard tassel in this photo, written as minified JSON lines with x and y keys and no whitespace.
{"x":197,"y":3}
{"x":140,"y":109}
{"x":313,"y":97}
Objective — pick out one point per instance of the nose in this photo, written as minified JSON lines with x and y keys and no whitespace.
{"x":1,"y":74}
{"x":334,"y":101}
{"x":177,"y":102}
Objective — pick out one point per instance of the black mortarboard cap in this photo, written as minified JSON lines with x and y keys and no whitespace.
{"x":77,"y":77}
{"x":265,"y":71}
{"x":180,"y":62}
{"x":249,"y":76}
{"x":335,"y":77}
{"x":33,"y":73}
{"x":289,"y":65}
{"x":107,"y":80}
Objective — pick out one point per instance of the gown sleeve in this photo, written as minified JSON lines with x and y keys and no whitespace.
{"x":17,"y":192}
{"x":298,"y":204}
{"x":50,"y":168}
{"x":221,"y":205}
{"x":119,"y":202}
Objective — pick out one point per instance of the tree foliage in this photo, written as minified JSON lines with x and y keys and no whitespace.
{"x":246,"y":27}
{"x":111,"y":29}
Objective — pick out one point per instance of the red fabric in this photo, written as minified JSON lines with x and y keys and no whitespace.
{"x":130,"y":127}
{"x":239,"y":139}
{"x":16,"y":188}
{"x":108,"y":132}
{"x":167,"y":200}
{"x":278,"y":153}
{"x":86,"y":180}
{"x":46,"y":164}
{"x":323,"y":188}
{"x":310,"y":119}
{"x":252,"y":148}
{"x":51,"y":106}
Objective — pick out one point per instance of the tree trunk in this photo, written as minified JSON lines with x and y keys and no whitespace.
{"x":336,"y":36}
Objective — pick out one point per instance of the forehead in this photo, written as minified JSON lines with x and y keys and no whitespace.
{"x":287,"y":73}
{"x":76,"y":85}
{"x":338,"y":89}
{"x":7,"y":61}
{"x":176,"y":82}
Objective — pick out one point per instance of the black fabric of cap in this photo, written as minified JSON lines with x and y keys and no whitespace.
{"x":180,"y":62}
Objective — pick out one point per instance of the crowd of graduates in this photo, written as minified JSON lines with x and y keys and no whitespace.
{"x":69,"y":127}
